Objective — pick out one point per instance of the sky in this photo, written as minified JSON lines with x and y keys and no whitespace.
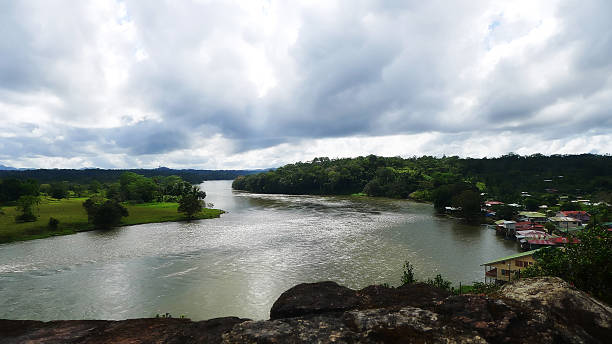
{"x":257,"y":84}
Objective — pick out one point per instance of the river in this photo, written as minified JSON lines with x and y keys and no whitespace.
{"x":240,"y":263}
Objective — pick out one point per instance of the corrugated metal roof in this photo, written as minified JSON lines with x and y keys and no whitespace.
{"x":531,"y":214}
{"x":514,"y":256}
{"x":540,"y":242}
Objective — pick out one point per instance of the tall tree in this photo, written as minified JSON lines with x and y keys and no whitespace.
{"x":25,"y":204}
{"x":190,"y":202}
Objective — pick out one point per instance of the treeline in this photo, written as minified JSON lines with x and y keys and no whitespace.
{"x":12,"y":189}
{"x":446,"y":181}
{"x":86,"y":176}
{"x":128,"y":186}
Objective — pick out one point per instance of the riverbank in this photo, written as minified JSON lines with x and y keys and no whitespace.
{"x":73,"y":218}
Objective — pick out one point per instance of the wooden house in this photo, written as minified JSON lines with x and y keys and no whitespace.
{"x":507,"y":268}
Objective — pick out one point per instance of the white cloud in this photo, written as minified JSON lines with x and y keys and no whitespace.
{"x":233,"y":84}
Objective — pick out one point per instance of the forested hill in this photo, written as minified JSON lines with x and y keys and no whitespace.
{"x":504,"y":177}
{"x":86,"y":176}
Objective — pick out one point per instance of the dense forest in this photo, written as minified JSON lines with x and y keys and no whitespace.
{"x":86,"y":176}
{"x":129,"y":186}
{"x":507,"y":178}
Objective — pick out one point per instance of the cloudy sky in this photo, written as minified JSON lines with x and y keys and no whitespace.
{"x":253,"y":84}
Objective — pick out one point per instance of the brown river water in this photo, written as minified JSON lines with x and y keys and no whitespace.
{"x":240,"y":263}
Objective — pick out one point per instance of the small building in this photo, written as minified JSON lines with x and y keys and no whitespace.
{"x":507,"y":268}
{"x":526,"y":225}
{"x":492,"y":203}
{"x":564,"y":222}
{"x":576,"y":214}
{"x":564,"y":241}
{"x":532,"y":216}
{"x":505,"y":227}
{"x":532,"y":244}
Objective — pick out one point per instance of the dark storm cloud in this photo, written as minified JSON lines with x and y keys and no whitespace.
{"x":148,"y":138}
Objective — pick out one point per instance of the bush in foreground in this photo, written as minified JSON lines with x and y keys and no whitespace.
{"x":586,"y":265}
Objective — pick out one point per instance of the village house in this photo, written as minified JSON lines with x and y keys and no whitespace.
{"x":508,"y":268}
{"x":493,"y":203}
{"x":532,"y":216}
{"x":576,"y":214}
{"x":564,"y":222}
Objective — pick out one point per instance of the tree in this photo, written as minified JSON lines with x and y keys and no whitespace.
{"x":568,"y":206}
{"x":104,"y":214}
{"x":506,"y":212}
{"x":12,"y":189}
{"x":470,"y":203}
{"x":531,"y":204}
{"x":585,"y":264}
{"x":25,"y":204}
{"x":137,"y":188}
{"x":59,"y":190}
{"x":95,"y":186}
{"x":190,"y":202}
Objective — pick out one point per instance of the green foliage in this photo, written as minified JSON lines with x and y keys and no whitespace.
{"x":586,"y":264}
{"x":95,"y":186}
{"x":137,"y":188}
{"x":59,"y":190}
{"x":73,"y":218}
{"x":505,"y":212}
{"x":432,"y":179}
{"x":470,"y":203}
{"x":87,"y":176}
{"x":104,"y":214}
{"x":408,"y":274}
{"x":12,"y":189}
{"x":485,"y":288}
{"x":53,"y":223}
{"x":440,"y":282}
{"x":568,"y":206}
{"x":190,"y":202}
{"x":531,"y":204}
{"x":25,"y":205}
{"x":550,"y":227}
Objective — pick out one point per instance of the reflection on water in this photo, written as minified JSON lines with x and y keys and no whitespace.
{"x":240,"y":263}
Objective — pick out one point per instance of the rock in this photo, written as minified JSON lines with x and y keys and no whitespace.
{"x":314,"y":298}
{"x":124,"y":331}
{"x":543,"y":310}
{"x":326,"y":297}
{"x":567,"y":309}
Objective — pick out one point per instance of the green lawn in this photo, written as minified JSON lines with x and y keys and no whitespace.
{"x":72,"y":218}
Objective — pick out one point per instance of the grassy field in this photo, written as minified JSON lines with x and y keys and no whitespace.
{"x":72,"y":218}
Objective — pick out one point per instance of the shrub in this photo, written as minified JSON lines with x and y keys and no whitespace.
{"x":53,"y":223}
{"x":408,"y":274}
{"x":104,"y":214}
{"x":585,"y":264}
{"x":25,"y":204}
{"x":485,"y":288}
{"x":26,"y":217}
{"x":440,"y":282}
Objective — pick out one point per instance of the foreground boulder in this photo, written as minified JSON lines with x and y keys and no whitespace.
{"x":543,"y":310}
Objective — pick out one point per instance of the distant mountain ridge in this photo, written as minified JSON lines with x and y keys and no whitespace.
{"x":7,"y":168}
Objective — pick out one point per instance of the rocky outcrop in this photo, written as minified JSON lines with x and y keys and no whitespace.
{"x":162,"y":330}
{"x":543,"y":310}
{"x":330,"y":297}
